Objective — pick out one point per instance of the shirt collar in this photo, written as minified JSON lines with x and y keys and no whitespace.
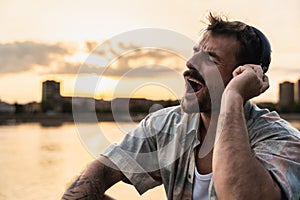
{"x":193,"y":119}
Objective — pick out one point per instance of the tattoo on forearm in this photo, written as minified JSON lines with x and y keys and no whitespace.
{"x":94,"y":181}
{"x":83,"y":188}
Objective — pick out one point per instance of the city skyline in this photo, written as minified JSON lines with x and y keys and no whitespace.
{"x":62,"y":34}
{"x":289,"y":93}
{"x":61,"y":107}
{"x":140,"y":93}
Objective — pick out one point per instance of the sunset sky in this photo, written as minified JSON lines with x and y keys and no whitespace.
{"x":51,"y":40}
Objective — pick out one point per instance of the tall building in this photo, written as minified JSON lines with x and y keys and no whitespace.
{"x":286,"y":94}
{"x":51,"y":99}
{"x":51,"y":90}
{"x":299,"y":91}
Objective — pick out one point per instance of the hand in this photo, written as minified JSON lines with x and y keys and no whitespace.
{"x":248,"y":81}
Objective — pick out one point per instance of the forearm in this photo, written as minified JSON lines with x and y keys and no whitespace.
{"x":93,"y":182}
{"x":86,"y":186}
{"x":237,"y":173}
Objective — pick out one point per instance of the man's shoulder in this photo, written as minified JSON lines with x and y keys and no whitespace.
{"x":256,"y":115}
{"x":172,"y":110}
{"x":269,"y":124}
{"x":170,"y":117}
{"x":164,"y":115}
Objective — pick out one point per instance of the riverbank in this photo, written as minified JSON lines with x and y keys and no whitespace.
{"x":56,"y":119}
{"x":291,"y":116}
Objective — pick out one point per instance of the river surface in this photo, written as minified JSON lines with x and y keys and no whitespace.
{"x":38,"y":162}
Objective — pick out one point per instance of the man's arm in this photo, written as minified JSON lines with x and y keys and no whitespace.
{"x":100,"y":175}
{"x":237,"y":174}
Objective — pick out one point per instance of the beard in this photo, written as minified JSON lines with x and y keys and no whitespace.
{"x":203,"y":102}
{"x":199,"y":103}
{"x":202,"y":96}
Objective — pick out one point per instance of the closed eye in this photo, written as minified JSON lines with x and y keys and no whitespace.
{"x":210,"y":59}
{"x":213,"y":55}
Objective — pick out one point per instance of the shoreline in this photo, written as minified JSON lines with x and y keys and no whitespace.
{"x":291,"y":116}
{"x":57,"y":119}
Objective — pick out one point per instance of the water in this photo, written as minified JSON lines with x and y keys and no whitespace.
{"x":38,"y":162}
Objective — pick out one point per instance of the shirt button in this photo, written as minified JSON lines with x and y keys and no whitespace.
{"x":189,"y":176}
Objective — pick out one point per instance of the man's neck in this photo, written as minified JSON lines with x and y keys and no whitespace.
{"x":203,"y":162}
{"x":208,"y":122}
{"x":205,"y":119}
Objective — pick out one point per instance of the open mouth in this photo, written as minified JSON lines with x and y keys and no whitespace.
{"x":194,"y":82}
{"x":193,"y":85}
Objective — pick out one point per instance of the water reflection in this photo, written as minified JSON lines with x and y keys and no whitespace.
{"x":36,"y":162}
{"x":48,"y":154}
{"x":50,"y":147}
{"x":51,"y":123}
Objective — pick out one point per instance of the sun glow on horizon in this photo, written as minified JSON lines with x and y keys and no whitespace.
{"x":60,"y":38}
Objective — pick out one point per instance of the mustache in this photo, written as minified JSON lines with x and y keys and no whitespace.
{"x":194,"y":74}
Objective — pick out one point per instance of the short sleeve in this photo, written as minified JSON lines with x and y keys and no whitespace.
{"x":278,"y":149}
{"x":136,"y":157}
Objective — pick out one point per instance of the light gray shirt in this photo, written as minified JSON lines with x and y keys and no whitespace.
{"x":161,"y":151}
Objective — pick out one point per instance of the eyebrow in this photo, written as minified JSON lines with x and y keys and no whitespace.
{"x":213,"y":54}
{"x":210,"y":53}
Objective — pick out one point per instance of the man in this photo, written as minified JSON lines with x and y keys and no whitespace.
{"x":217,"y":145}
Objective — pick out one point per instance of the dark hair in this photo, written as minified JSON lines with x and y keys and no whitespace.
{"x":253,"y":45}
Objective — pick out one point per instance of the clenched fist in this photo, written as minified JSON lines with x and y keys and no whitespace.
{"x":248,"y":81}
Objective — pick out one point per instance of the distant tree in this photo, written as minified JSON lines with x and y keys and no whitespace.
{"x":292,"y":108}
{"x":172,"y":103}
{"x":270,"y":106}
{"x":19,"y":108}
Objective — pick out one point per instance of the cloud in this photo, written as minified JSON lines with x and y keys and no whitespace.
{"x":90,"y":45}
{"x":22,"y":56}
{"x":146,"y":63}
{"x":130,"y":60}
{"x":63,"y":68}
{"x":74,"y":68}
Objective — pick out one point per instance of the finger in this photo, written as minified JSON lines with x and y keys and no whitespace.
{"x":257,"y":69}
{"x":265,"y":83}
{"x":265,"y":78}
{"x":238,"y":71}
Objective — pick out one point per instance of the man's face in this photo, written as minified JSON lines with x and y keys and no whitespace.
{"x":209,"y":71}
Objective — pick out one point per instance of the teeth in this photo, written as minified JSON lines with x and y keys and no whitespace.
{"x":194,"y":80}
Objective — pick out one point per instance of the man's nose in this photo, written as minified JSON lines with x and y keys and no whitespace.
{"x":189,"y":65}
{"x":194,"y":63}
